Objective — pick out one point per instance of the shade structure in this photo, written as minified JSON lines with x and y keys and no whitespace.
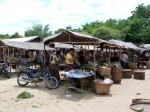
{"x":72,"y":37}
{"x":26,"y":45}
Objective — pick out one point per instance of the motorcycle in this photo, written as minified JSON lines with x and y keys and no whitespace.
{"x":5,"y":70}
{"x":29,"y":75}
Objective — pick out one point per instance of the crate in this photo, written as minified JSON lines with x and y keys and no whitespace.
{"x":126,"y":73}
{"x":102,"y":89}
{"x":139,"y":75}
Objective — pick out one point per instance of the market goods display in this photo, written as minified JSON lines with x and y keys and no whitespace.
{"x":88,"y":67}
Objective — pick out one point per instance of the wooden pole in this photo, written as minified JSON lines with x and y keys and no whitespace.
{"x":3,"y":54}
{"x":120,"y":55}
{"x":94,"y":63}
{"x":109,"y":55}
{"x":44,"y":54}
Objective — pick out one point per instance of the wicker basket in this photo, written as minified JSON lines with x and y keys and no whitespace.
{"x":148,"y":65}
{"x":85,"y":82}
{"x":102,"y":89}
{"x":132,"y":66}
{"x":139,"y":75}
{"x":104,"y":71}
{"x":126,"y":73}
{"x":116,"y":74}
{"x":139,"y":100}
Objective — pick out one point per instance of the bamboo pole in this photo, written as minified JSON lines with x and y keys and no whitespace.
{"x":109,"y":55}
{"x":94,"y":63}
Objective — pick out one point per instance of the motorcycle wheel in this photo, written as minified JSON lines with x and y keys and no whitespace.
{"x":22,"y":76}
{"x":51,"y":82}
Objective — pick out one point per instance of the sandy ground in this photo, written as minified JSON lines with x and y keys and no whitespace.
{"x":45,"y":100}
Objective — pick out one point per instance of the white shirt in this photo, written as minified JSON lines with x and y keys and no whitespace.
{"x":124,"y":57}
{"x":57,"y":59}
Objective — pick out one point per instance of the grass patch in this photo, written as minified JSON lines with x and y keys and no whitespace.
{"x":25,"y":95}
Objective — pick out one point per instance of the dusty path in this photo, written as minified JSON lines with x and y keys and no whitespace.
{"x":45,"y":100}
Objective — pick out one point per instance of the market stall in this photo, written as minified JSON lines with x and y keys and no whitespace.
{"x":74,"y":38}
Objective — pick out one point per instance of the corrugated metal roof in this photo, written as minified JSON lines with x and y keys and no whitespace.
{"x":26,"y":45}
{"x":23,"y":39}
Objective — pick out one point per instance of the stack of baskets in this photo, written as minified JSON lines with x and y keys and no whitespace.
{"x":105,"y":71}
{"x":116,"y":73}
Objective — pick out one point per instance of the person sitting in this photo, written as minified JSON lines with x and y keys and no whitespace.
{"x":56,"y":58}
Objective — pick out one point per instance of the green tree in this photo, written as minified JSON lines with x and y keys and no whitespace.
{"x":38,"y":30}
{"x":15,"y":35}
{"x":106,"y":33}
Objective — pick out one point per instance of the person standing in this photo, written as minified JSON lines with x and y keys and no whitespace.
{"x":70,"y":60}
{"x":124,"y":60}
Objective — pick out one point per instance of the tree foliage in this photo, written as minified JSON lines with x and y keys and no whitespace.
{"x":38,"y":30}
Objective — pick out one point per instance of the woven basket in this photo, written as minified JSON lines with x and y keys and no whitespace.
{"x":104,"y":71}
{"x":145,"y":106}
{"x":85,"y":82}
{"x":126,"y":73}
{"x":116,"y":74}
{"x":102,"y":89}
{"x":139,"y":100}
{"x":139,"y":75}
{"x":132,"y":66}
{"x":148,"y":65}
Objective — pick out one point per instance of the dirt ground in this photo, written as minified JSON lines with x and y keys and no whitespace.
{"x":45,"y":100}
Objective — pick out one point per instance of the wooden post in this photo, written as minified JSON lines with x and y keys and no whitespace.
{"x":94,"y":63}
{"x":44,"y":53}
{"x":120,"y":55}
{"x":3,"y":54}
{"x":109,"y":55}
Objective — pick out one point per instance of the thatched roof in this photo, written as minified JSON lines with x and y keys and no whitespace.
{"x":72,"y":37}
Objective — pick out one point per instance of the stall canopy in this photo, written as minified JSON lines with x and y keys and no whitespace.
{"x":72,"y":37}
{"x":26,"y":45}
{"x":26,"y":39}
{"x":126,"y":45}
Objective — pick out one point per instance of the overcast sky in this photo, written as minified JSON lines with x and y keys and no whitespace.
{"x":18,"y":15}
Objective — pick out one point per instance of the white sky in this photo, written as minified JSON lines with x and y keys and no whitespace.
{"x":18,"y":15}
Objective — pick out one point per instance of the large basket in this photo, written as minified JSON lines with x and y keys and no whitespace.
{"x":139,"y":100}
{"x":116,"y":74}
{"x":103,"y":71}
{"x":139,"y":75}
{"x":102,"y":89}
{"x":132,"y":66}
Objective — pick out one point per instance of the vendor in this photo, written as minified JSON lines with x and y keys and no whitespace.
{"x":55,"y":62}
{"x":70,"y":60}
{"x":124,"y":60}
{"x":81,"y":58}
